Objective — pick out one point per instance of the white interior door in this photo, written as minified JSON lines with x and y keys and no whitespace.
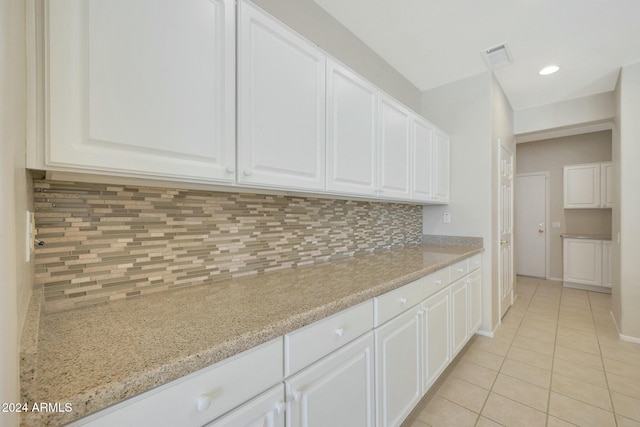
{"x":531,"y":224}
{"x":506,"y":276}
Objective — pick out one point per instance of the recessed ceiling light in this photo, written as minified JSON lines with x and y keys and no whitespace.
{"x":548,"y":70}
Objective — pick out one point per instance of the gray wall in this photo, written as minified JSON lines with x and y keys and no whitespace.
{"x":314,"y":23}
{"x":549,"y":156}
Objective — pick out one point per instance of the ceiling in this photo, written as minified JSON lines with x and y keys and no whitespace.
{"x":435,"y":42}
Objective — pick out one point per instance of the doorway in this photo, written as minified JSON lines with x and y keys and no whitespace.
{"x":531,"y":223}
{"x":505,"y":259}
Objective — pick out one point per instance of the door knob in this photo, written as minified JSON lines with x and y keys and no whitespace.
{"x":504,"y":242}
{"x":541,"y":227}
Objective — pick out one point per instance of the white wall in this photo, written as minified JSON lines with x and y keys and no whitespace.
{"x":314,"y":23}
{"x":463,"y":109}
{"x":579,"y":111}
{"x":15,"y":276}
{"x":626,"y":155}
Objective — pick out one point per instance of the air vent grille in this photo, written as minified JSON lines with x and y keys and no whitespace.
{"x":498,"y":56}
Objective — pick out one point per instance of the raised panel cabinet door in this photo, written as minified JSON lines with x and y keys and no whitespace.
{"x":474,"y":283}
{"x":143,"y":87}
{"x":459,"y":315}
{"x":266,"y":410}
{"x":394,"y":149}
{"x":582,"y":186}
{"x":352,"y":104}
{"x":336,"y":391}
{"x":441,"y":168}
{"x":437,"y":328}
{"x":606,"y":185}
{"x":423,"y":159}
{"x":582,"y":259}
{"x":281,"y":104}
{"x":398,"y":346}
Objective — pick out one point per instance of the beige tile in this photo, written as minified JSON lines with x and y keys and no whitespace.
{"x":624,"y":384}
{"x":557,"y":422}
{"x":585,"y":325}
{"x":444,"y":413}
{"x":463,"y":393}
{"x":492,"y":345}
{"x":626,"y":406}
{"x":521,"y":391}
{"x":579,"y":342}
{"x":475,"y":374}
{"x":544,"y":325}
{"x":486,"y":422}
{"x":537,"y":334}
{"x":579,"y":413}
{"x":530,"y":357}
{"x":618,"y":343}
{"x":531,"y":374}
{"x":588,"y":393}
{"x":621,"y":368}
{"x":534,"y":345}
{"x":582,"y":373}
{"x":484,"y":359}
{"x":418,"y":423}
{"x":626,"y":422}
{"x":510,"y":413}
{"x":630,"y":357}
{"x":578,"y":357}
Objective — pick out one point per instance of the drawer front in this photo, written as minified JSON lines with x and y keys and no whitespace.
{"x":436,"y":281}
{"x":474,"y":263}
{"x":202,"y":396}
{"x":457,"y":271}
{"x":391,"y":304}
{"x":306,"y":345}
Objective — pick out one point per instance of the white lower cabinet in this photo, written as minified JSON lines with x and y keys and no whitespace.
{"x":398,"y":367}
{"x":474,"y":283}
{"x":587,"y":262}
{"x":437,"y":327}
{"x":337,"y":391}
{"x":459,"y":315}
{"x":266,"y":410}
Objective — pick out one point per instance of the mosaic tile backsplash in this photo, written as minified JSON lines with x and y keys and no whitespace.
{"x":107,"y":242}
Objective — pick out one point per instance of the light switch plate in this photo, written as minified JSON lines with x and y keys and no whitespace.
{"x":555,"y":225}
{"x":446,"y":218}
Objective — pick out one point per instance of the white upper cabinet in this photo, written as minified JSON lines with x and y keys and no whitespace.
{"x":394,"y":149}
{"x":441,"y":165}
{"x":281,"y":105}
{"x":352,"y":105}
{"x":141,"y":88}
{"x":588,"y":185}
{"x":423,"y":161}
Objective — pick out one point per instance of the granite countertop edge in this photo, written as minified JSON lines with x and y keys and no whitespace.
{"x":111,"y":393}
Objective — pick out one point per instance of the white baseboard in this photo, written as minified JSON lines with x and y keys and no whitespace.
{"x":555,"y":279}
{"x":623,"y":337}
{"x":489,"y":334}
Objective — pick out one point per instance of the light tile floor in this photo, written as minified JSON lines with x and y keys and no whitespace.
{"x":556,"y":360}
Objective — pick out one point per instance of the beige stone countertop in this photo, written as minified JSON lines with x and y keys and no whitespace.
{"x":587,"y":236}
{"x":93,"y":357}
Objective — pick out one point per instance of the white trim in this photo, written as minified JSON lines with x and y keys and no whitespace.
{"x":555,"y":279}
{"x":623,"y":337}
{"x":484,"y":333}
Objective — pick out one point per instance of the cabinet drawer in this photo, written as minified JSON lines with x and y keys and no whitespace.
{"x":457,"y":270}
{"x":474,"y":263}
{"x":306,"y":345}
{"x":391,"y":304}
{"x":436,"y":281}
{"x":202,"y":396}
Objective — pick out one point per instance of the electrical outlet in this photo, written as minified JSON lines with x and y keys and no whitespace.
{"x":446,"y":218}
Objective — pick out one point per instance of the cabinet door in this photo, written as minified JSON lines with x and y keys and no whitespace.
{"x":606,"y":185}
{"x":281,"y":104}
{"x":441,"y":168}
{"x":398,"y":367}
{"x":437,"y":327}
{"x":125,"y":96}
{"x":582,"y":261}
{"x":336,"y":391}
{"x":423,"y":161}
{"x":266,"y":410}
{"x":582,"y":186}
{"x":459,"y":315}
{"x":474,"y":283}
{"x":352,"y":105}
{"x":607,"y":279}
{"x":395,"y":142}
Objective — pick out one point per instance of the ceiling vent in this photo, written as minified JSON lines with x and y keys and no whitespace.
{"x":497,"y":56}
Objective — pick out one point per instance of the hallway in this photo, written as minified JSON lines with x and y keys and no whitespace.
{"x":555,"y":361}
